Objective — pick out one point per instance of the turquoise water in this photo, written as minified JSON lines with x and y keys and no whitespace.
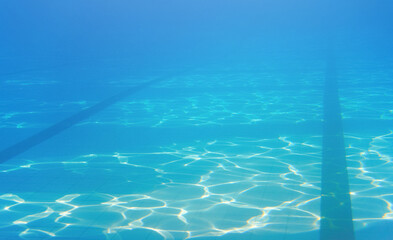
{"x":196,"y":120}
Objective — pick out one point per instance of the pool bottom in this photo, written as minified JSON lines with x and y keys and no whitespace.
{"x":231,"y":188}
{"x":204,"y":189}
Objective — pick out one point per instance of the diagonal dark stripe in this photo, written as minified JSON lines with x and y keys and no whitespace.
{"x":57,"y":128}
{"x":336,"y":211}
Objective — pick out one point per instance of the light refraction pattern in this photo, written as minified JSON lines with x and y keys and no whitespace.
{"x":186,"y":187}
{"x":205,"y":189}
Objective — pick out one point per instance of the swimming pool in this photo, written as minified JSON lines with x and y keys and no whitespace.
{"x":292,"y":145}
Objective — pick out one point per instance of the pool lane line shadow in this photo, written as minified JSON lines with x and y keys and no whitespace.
{"x":336,"y":210}
{"x":59,"y":127}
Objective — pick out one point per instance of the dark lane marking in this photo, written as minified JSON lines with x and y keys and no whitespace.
{"x":336,"y":210}
{"x":57,"y":128}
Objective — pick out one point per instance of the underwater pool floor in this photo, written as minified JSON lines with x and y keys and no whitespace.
{"x":203,"y":163}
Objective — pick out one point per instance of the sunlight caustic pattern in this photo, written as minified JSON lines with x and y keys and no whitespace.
{"x":214,"y":109}
{"x":370,"y":164}
{"x":376,"y":104}
{"x":209,"y":188}
{"x":189,"y":104}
